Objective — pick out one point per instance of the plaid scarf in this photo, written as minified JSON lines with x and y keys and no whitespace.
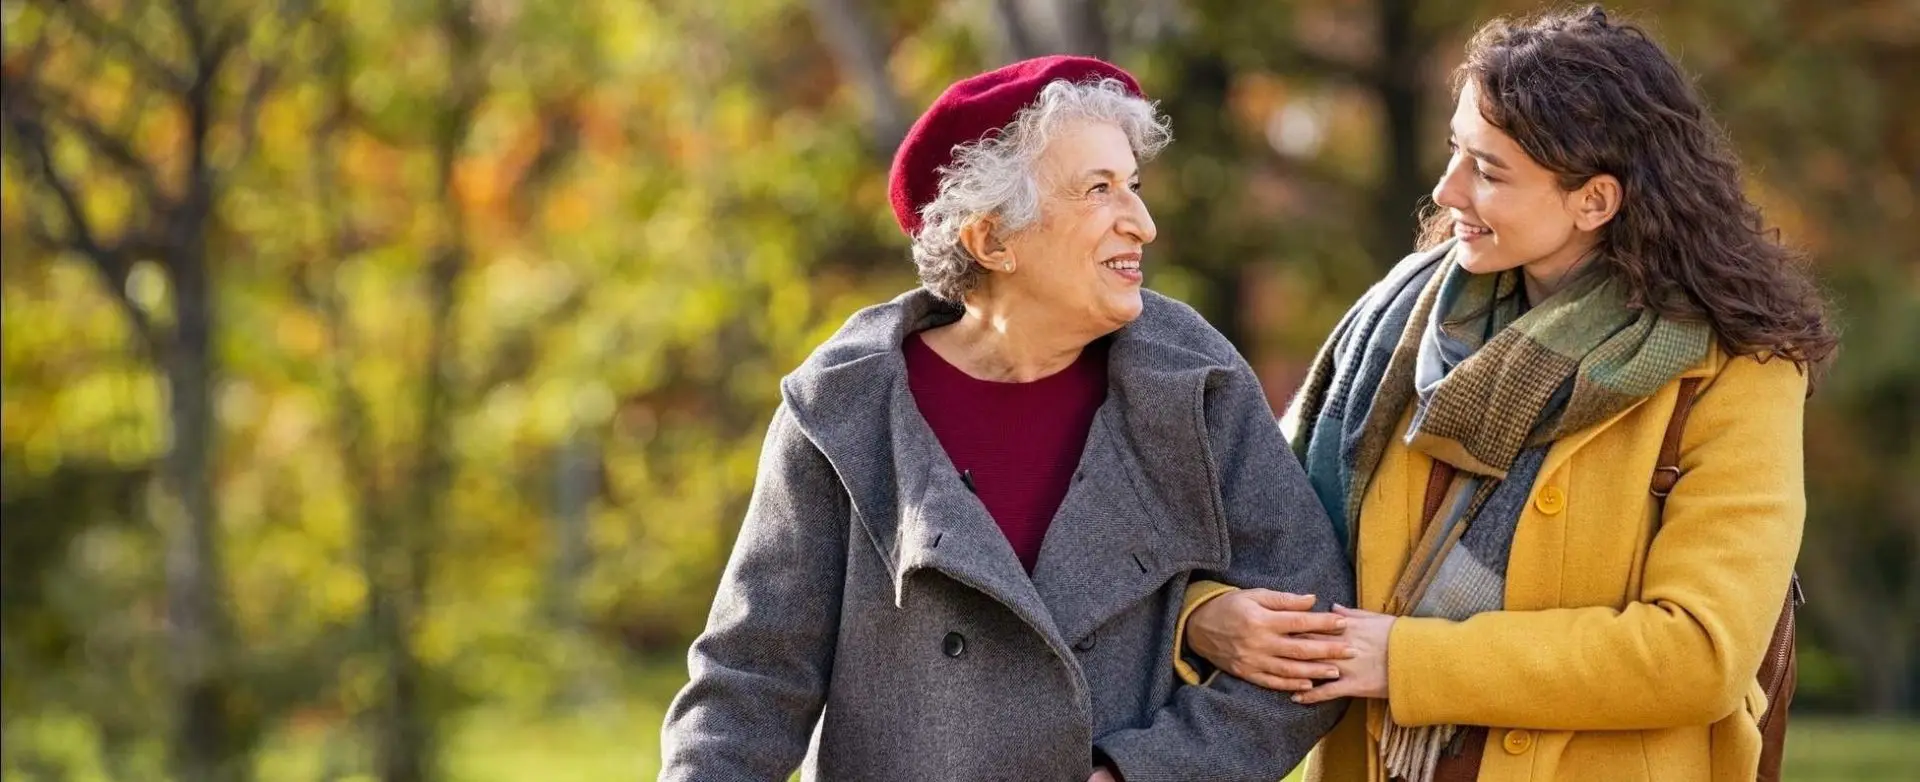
{"x":1492,"y":385}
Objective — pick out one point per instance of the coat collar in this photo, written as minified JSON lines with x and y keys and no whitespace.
{"x":1144,"y":504}
{"x":1564,"y":448}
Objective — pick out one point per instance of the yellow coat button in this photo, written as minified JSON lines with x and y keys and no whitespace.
{"x":1517,"y":742}
{"x":1551,"y":500}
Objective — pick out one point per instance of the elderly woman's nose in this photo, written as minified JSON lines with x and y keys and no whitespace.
{"x":1138,"y":223}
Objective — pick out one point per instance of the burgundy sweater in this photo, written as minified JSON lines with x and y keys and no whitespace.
{"x":1017,"y":444}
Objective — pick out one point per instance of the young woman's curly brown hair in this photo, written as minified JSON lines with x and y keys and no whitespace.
{"x":1584,"y":95}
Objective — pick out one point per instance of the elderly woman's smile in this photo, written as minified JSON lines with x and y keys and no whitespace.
{"x":1082,"y":258}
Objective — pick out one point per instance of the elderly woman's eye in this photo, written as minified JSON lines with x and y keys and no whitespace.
{"x":1099,"y":188}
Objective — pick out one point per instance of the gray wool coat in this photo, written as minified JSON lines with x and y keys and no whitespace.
{"x":874,"y":619}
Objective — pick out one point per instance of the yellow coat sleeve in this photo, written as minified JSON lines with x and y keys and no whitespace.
{"x":1714,"y":576}
{"x":1198,"y":593}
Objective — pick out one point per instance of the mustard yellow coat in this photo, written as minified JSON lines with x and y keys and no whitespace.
{"x":1624,"y":653}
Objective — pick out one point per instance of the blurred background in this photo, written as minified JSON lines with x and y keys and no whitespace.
{"x":383,"y":381}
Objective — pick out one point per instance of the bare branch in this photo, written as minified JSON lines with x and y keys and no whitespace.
{"x":1030,"y":28}
{"x":118,"y":38}
{"x":227,"y":38}
{"x":186,"y":14}
{"x":247,"y":123}
{"x":1014,"y":30}
{"x":519,"y":348}
{"x":862,"y":55}
{"x":29,"y":131}
{"x":559,"y":140}
{"x":466,"y":90}
{"x":265,"y":76}
{"x":114,"y":275}
{"x":339,"y":243}
{"x":113,"y":263}
{"x":41,"y":100}
{"x":1080,"y":27}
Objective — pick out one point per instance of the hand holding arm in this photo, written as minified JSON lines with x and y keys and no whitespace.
{"x":1259,"y":635}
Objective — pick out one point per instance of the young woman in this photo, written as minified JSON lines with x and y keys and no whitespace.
{"x":1483,"y":427}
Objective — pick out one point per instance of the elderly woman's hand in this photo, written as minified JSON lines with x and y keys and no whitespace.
{"x":1255,"y":634}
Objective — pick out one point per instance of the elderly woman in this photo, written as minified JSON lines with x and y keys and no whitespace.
{"x":980,"y":504}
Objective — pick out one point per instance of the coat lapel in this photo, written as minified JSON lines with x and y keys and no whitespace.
{"x":1108,"y":546}
{"x":1145,"y":504}
{"x":1128,"y":523}
{"x":942,"y":526}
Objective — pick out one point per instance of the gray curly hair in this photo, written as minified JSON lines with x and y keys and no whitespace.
{"x":997,"y":175}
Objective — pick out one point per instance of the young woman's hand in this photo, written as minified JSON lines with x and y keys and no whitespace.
{"x":1257,"y":635}
{"x":1364,"y":674}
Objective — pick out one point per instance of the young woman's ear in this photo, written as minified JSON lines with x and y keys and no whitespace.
{"x":1596,"y":202}
{"x":982,"y":240}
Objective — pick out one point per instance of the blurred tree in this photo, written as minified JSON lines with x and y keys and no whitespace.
{"x":400,"y":471}
{"x":493,"y":300}
{"x":398,"y":517}
{"x":79,"y":149}
{"x":1813,"y":96}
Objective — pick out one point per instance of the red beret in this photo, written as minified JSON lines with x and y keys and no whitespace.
{"x":970,"y":110}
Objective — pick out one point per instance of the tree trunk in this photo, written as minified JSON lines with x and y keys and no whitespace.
{"x":861,"y":52}
{"x":1031,"y":28}
{"x":207,"y":742}
{"x":410,"y":748}
{"x":1016,"y":34}
{"x":409,"y":740}
{"x":1080,"y":27}
{"x":1401,"y":89}
{"x":212,"y":743}
{"x":1890,"y":681}
{"x":576,"y":483}
{"x":1211,"y":239}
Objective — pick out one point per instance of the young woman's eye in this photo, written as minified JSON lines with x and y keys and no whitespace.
{"x":1482,"y":173}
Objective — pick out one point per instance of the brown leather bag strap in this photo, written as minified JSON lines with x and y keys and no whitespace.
{"x":1667,"y":473}
{"x":1779,"y":668}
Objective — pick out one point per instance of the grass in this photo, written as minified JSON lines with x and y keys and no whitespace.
{"x":616,"y":740}
{"x":1843,"y":750}
{"x":621,"y":741}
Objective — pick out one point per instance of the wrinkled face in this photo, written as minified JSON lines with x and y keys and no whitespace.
{"x":1508,"y":211}
{"x":1082,"y":258}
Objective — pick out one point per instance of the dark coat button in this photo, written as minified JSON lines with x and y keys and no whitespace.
{"x":1086,"y":644}
{"x":954,"y":645}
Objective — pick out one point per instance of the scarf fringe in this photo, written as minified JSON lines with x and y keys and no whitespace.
{"x":1412,"y":754}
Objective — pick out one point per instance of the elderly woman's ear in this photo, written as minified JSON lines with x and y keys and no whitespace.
{"x":982,"y":240}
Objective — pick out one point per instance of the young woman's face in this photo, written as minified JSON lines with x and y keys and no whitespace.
{"x":1508,"y":211}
